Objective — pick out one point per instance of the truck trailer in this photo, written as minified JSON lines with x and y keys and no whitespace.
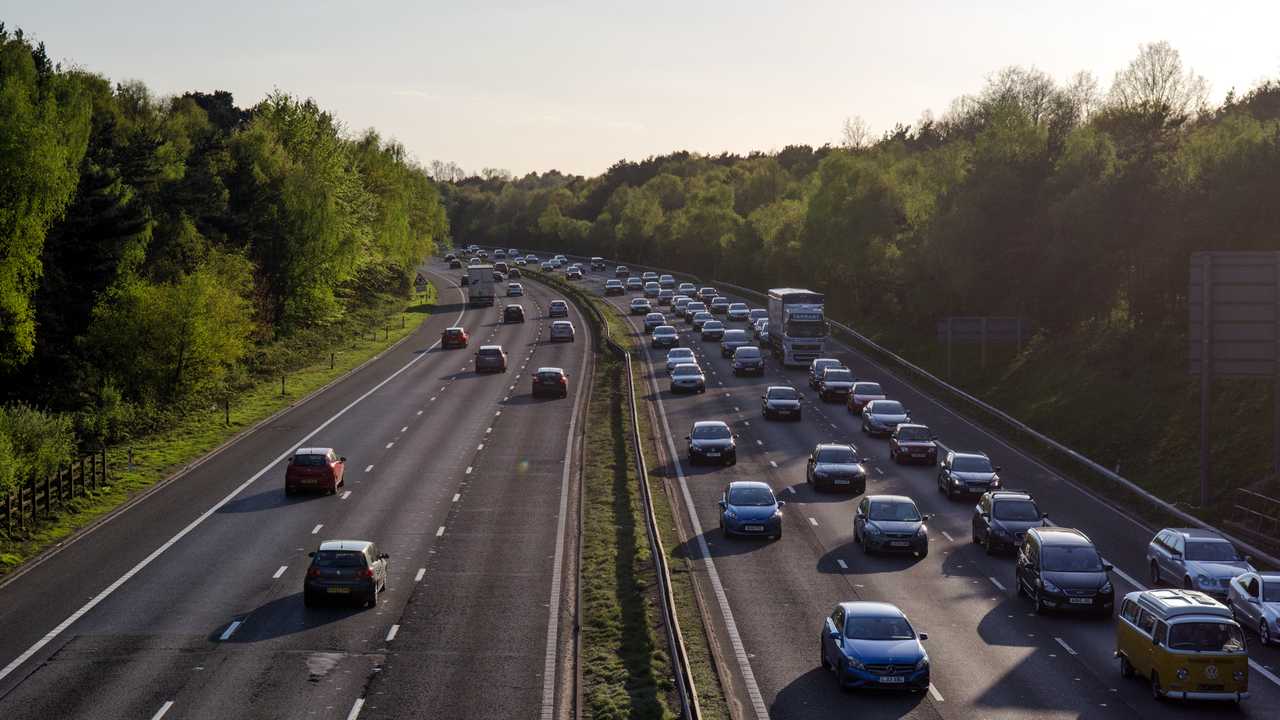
{"x":480,"y":286}
{"x":797,"y":325}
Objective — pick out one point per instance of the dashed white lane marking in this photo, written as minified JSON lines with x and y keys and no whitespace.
{"x":316,"y":529}
{"x":468,"y":470}
{"x":355,"y":709}
{"x":843,"y":565}
{"x":948,"y":537}
{"x":497,"y":414}
{"x":346,"y":495}
{"x":421,"y":572}
{"x":391,"y":634}
{"x":488,"y":430}
{"x":368,"y":469}
{"x":997,"y":583}
{"x":442,"y":387}
{"x":791,"y":490}
{"x":390,"y":444}
{"x":433,"y":399}
{"x":479,"y":447}
{"x":727,"y":395}
{"x":933,"y":690}
{"x":439,"y":531}
{"x":404,"y":429}
{"x":1065,"y":646}
{"x":163,"y":709}
{"x":280,"y":572}
{"x":773,"y":464}
{"x":879,"y":471}
{"x":813,"y":522}
{"x":420,"y":412}
{"x":746,"y":422}
{"x":456,"y":496}
{"x":230,"y":630}
{"x":738,"y":409}
{"x":760,"y":442}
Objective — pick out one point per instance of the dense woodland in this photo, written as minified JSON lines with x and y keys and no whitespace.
{"x":1074,"y":207}
{"x":157,"y":254}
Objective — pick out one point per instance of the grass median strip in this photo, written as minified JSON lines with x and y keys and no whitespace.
{"x":158,"y":456}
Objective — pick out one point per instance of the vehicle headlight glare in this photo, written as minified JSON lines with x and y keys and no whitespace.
{"x":1204,"y":580}
{"x":1050,"y":587}
{"x":1106,"y":587}
{"x":1238,"y":675}
{"x":872,"y":529}
{"x":731,"y":514}
{"x":923,"y":663}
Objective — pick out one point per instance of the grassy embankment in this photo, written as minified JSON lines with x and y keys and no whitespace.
{"x":158,"y":456}
{"x":621,"y":659}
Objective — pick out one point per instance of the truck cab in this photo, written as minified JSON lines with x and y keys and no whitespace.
{"x":797,"y":325}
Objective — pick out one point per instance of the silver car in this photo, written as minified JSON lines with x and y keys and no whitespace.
{"x":1254,"y":599}
{"x":653,"y":320}
{"x":882,"y":417}
{"x":732,"y":340}
{"x":688,"y":377}
{"x":676,"y":356}
{"x":1195,"y":559}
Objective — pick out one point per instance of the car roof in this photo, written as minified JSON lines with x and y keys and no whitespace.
{"x":551,"y":369}
{"x":678,"y":350}
{"x":313,"y":451}
{"x":749,"y":484}
{"x":968,"y":453}
{"x":864,"y":608}
{"x":710,"y":423}
{"x":1010,"y":494}
{"x":1061,"y":536}
{"x":561,"y":323}
{"x":1197,"y":534}
{"x":1169,"y":603}
{"x":491,"y":347}
{"x":825,"y":445}
{"x":353,"y":545}
{"x":891,"y":498}
{"x":912,"y":426}
{"x":695,"y":366}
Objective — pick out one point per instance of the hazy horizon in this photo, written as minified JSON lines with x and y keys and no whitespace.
{"x":578,"y":86}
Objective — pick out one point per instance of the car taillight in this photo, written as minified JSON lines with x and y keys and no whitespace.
{"x":563,"y":381}
{"x":365,"y":573}
{"x":313,"y":572}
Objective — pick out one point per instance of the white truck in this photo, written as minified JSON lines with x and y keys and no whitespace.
{"x":797,"y":325}
{"x":480,"y":285}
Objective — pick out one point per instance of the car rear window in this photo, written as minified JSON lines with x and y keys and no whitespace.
{"x":490,"y":353}
{"x":887,"y":407}
{"x":453,"y":332}
{"x":711,"y":432}
{"x":867,"y":389}
{"x":338,"y":558}
{"x":971,"y":464}
{"x":309,"y":460}
{"x":1212,"y":551}
{"x":549,"y":376}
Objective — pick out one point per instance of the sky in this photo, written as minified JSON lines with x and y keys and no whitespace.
{"x":577,"y":86}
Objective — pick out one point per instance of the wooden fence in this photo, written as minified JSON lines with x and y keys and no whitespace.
{"x":23,"y":508}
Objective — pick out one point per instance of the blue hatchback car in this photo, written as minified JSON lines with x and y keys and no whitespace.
{"x":872,"y":645}
{"x":750,"y":508}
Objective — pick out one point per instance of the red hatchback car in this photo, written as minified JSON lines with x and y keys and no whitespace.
{"x":454,"y":337}
{"x":314,"y":469}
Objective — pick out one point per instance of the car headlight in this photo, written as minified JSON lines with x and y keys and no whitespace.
{"x":923,"y":663}
{"x":731,"y":514}
{"x":1106,"y":587}
{"x":922,"y":531}
{"x":1205,"y":581}
{"x":854,"y":663}
{"x":871,"y":529}
{"x":1238,"y":675}
{"x":995,"y":481}
{"x":1050,"y":587}
{"x":1183,"y":674}
{"x":777,"y":512}
{"x":999,"y":531}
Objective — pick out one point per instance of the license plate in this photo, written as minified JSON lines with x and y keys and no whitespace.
{"x":892,"y":679}
{"x":1081,"y":601}
{"x":339,"y":590}
{"x":713,"y":453}
{"x":841,"y":481}
{"x":753,"y":528}
{"x":918,"y":453}
{"x":308,"y":481}
{"x":899,"y":543}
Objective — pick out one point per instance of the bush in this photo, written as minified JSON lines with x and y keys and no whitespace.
{"x":33,"y":443}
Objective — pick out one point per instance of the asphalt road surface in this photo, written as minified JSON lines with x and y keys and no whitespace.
{"x":189,"y":604}
{"x":991,"y":656}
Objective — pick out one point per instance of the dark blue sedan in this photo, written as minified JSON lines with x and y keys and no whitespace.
{"x":872,"y":645}
{"x":750,"y":508}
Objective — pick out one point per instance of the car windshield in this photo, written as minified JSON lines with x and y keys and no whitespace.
{"x":702,"y":315}
{"x":971,"y":464}
{"x":753,"y":496}
{"x":665,"y":330}
{"x":549,"y":376}
{"x":913,"y":434}
{"x":894,"y":510}
{"x":738,"y":306}
{"x":888,"y":407}
{"x":806,"y":328}
{"x":309,"y":460}
{"x":711,"y":432}
{"x":837,"y":456}
{"x":878,"y":628}
{"x":1071,"y":558}
{"x":732,"y":335}
{"x":838,"y":375}
{"x":1271,"y":591}
{"x":747,"y":353}
{"x":1212,"y":551}
{"x":696,"y":307}
{"x":490,"y":353}
{"x":679,"y":353}
{"x":867,"y":389}
{"x":783,"y":393}
{"x":1016,"y":510}
{"x":687,"y":370}
{"x":338,"y":558}
{"x":1206,"y":637}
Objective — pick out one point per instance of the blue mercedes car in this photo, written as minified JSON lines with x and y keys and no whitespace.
{"x":750,"y":508}
{"x":872,"y":645}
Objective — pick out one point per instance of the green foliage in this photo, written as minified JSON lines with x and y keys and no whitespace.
{"x":33,"y":443}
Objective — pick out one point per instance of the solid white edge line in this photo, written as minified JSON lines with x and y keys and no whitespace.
{"x":421,"y":572}
{"x":235,"y":625}
{"x":948,"y":537}
{"x":355,"y":709}
{"x":163,"y":709}
{"x":280,"y":572}
{"x":998,"y":584}
{"x":456,"y":497}
{"x":843,"y":565}
{"x":345,"y":495}
{"x":369,"y":469}
{"x":557,"y":565}
{"x":316,"y":529}
{"x":391,"y":634}
{"x":144,"y":562}
{"x":937,"y":696}
{"x":813,"y":522}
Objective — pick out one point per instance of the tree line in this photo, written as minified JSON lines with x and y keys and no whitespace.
{"x":159,"y":253}
{"x":1057,"y":202}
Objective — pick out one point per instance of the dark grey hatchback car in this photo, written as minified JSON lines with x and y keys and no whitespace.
{"x":350,"y":570}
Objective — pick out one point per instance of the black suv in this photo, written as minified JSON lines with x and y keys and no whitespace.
{"x":1002,"y":518}
{"x":713,"y":441}
{"x":1060,"y":569}
{"x":513,"y":314}
{"x":971,"y":473}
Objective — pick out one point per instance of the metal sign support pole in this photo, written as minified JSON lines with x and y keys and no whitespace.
{"x":1206,"y":373}
{"x":949,"y":319}
{"x":983,"y":356}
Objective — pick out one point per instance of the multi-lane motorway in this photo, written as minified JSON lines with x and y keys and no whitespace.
{"x":991,"y":655}
{"x":189,"y":603}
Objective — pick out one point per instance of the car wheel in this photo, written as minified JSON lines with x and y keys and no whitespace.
{"x":373,"y":597}
{"x":778,"y":535}
{"x":1264,"y":632}
{"x":308,"y":599}
{"x":1155,"y":573}
{"x":1126,"y":667}
{"x":974,"y":537}
{"x":822,"y":656}
{"x":1186,"y":584}
{"x":924,"y":553}
{"x":865,"y":431}
{"x":1157,"y":692}
{"x":951,"y":495}
{"x":1040,"y":606}
{"x":288,"y":491}
{"x":840,"y":677}
{"x":798,"y":416}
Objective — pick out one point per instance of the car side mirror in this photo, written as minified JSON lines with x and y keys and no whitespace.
{"x":1155,"y":640}
{"x":835,"y":634}
{"x":933,"y":437}
{"x":342,"y":459}
{"x":720,"y":503}
{"x":686,"y":437}
{"x":1044,"y":516}
{"x":311,"y":554}
{"x":866,"y":459}
{"x":985,"y":516}
{"x":924,"y":636}
{"x":926,"y":517}
{"x":998,"y":468}
{"x":1108,"y":567}
{"x":737,"y":435}
{"x":782,"y":503}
